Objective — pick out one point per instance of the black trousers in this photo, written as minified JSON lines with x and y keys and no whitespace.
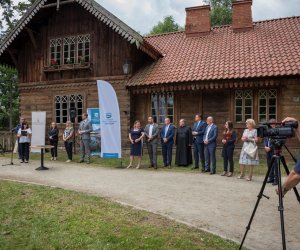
{"x":228,"y":157}
{"x":24,"y":151}
{"x":54,"y":150}
{"x":69,"y":147}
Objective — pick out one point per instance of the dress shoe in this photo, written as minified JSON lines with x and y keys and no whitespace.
{"x":81,"y":161}
{"x":230,"y":174}
{"x":275,"y":183}
{"x":193,"y":168}
{"x":224,"y":173}
{"x":207,"y":170}
{"x":211,"y":173}
{"x":270,"y":181}
{"x":150,"y":166}
{"x":203,"y":171}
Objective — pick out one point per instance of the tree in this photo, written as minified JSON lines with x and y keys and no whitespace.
{"x":221,"y":13}
{"x":7,"y":79}
{"x":167,"y":25}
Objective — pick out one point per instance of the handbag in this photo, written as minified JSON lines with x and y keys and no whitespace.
{"x":251,"y":150}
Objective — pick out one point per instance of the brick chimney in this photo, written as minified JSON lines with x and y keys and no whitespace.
{"x":242,"y":15}
{"x":197,"y":21}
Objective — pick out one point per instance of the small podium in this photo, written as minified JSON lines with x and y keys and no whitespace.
{"x":42,"y":148}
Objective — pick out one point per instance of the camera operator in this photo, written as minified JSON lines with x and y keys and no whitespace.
{"x":294,"y":177}
{"x":269,"y":148}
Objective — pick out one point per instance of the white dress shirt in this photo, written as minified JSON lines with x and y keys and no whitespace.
{"x":150,"y":130}
{"x":207,"y":132}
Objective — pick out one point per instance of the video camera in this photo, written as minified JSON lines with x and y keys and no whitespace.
{"x":282,"y":130}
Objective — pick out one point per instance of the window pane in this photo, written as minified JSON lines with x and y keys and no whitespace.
{"x":238,"y":118}
{"x":248,"y":116}
{"x":248,"y":102}
{"x":262,"y":102}
{"x":238,"y":111}
{"x":248,"y":110}
{"x":239,"y":102}
{"x":272,"y":102}
{"x":262,"y":110}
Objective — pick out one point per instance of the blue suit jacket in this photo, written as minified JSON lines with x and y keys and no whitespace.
{"x":200,"y":130}
{"x":212,"y":136}
{"x":170,"y":134}
{"x":270,"y":145}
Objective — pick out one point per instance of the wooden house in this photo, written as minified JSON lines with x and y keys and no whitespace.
{"x":245,"y":70}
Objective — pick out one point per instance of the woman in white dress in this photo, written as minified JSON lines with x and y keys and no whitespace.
{"x":249,"y":136}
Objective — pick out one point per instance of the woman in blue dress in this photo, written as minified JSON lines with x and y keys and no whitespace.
{"x":136,"y":135}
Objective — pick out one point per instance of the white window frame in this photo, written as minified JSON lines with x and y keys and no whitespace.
{"x":162,"y":106}
{"x":244,"y":96}
{"x":267,"y":95}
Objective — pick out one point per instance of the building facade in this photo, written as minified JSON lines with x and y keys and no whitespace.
{"x":246,"y":70}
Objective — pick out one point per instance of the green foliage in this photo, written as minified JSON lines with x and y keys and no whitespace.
{"x":7,"y":79}
{"x":167,"y":25}
{"x":11,"y":14}
{"x":221,"y":13}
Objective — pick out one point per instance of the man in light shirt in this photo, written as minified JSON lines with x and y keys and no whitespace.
{"x":210,"y":142}
{"x":151,"y":133}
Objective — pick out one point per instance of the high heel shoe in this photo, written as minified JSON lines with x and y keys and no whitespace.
{"x":129,"y":166}
{"x":249,"y":178}
{"x":241,"y":176}
{"x":138,"y":166}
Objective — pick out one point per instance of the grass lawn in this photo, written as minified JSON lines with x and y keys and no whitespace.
{"x":96,"y":161}
{"x":36,"y":217}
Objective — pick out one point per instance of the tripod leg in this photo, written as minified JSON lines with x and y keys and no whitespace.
{"x":280,"y":207}
{"x":260,"y":195}
{"x":288,"y":173}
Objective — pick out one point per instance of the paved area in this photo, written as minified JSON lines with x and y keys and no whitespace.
{"x":220,"y":205}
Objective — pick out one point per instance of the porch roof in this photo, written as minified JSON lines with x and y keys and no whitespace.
{"x":271,"y":49}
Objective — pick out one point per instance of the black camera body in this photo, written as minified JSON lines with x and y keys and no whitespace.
{"x":282,"y":130}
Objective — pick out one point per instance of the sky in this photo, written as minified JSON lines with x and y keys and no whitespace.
{"x":142,"y":15}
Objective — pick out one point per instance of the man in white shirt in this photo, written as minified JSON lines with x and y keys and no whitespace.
{"x":151,"y":133}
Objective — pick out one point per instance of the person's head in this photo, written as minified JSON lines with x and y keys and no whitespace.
{"x":229,"y":125}
{"x":167,"y":121}
{"x":53,"y":125}
{"x":150,"y":120}
{"x":84,"y":116}
{"x":22,"y":120}
{"x":25,"y":125}
{"x":198,"y":117}
{"x":68,"y":124}
{"x":137,"y":124}
{"x":273,"y":123}
{"x":182,"y":123}
{"x":250,"y":123}
{"x":209,"y":120}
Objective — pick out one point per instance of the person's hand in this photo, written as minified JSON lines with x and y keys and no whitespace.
{"x":205,"y":142}
{"x":137,"y":140}
{"x":267,"y":149}
{"x":132,"y":141}
{"x":244,"y":138}
{"x":165,"y":140}
{"x":289,"y":119}
{"x":194,"y":133}
{"x":224,"y":141}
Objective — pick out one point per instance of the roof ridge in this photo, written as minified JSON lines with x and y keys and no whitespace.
{"x":164,"y":34}
{"x":277,"y":19}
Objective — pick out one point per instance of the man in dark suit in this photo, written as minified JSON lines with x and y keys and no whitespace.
{"x":269,"y":148}
{"x":151,"y":132}
{"x":167,"y":141}
{"x":85,"y":128}
{"x":198,"y":131}
{"x":210,"y":142}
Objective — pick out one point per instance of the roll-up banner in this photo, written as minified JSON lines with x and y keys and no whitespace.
{"x":110,"y":121}
{"x":94,"y":117}
{"x":38,"y":129}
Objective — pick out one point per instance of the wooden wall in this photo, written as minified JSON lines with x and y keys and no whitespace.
{"x":109,"y":50}
{"x":44,"y":101}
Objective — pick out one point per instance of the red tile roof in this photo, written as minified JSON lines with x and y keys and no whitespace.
{"x":271,"y":49}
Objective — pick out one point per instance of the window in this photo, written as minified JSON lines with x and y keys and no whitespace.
{"x":83,"y":48}
{"x":162,"y":106}
{"x":63,"y":105}
{"x":70,"y":50}
{"x":243,"y":105}
{"x":267,"y":108}
{"x":55,"y":51}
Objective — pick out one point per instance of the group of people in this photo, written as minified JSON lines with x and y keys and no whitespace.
{"x":24,"y":135}
{"x":201,"y":138}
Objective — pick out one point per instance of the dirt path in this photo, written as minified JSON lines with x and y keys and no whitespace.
{"x":216,"y":204}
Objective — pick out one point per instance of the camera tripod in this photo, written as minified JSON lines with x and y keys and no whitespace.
{"x":276,"y":158}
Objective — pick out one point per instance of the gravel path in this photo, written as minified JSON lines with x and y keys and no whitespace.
{"x":216,"y":204}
